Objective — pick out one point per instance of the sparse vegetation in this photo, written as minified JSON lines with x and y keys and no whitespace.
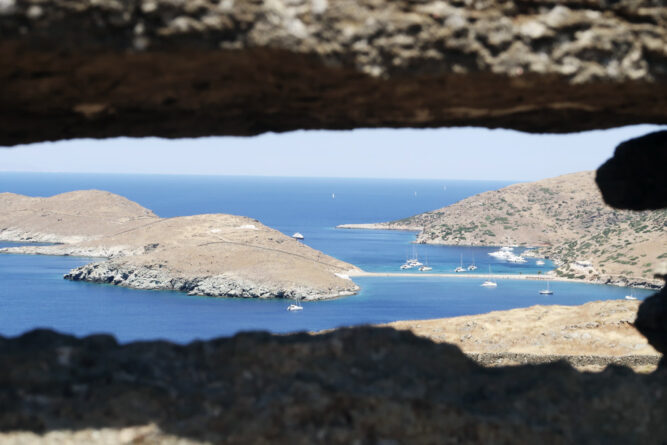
{"x":567,"y":215}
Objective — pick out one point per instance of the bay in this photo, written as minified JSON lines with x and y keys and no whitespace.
{"x":33,"y":293}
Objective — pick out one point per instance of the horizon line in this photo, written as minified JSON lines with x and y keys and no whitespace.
{"x":279,"y":176}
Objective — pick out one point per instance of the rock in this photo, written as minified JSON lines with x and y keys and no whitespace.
{"x":78,"y":68}
{"x":363,"y":385}
{"x":635,"y":177}
{"x":652,"y":322}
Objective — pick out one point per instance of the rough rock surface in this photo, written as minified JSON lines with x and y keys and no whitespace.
{"x":366,"y":386}
{"x":568,"y":221}
{"x":212,"y":255}
{"x":197,"y":68}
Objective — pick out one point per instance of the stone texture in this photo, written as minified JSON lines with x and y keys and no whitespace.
{"x":197,"y":68}
{"x":365,"y":386}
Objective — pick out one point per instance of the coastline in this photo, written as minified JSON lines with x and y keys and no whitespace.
{"x":131,"y":267}
{"x":611,"y":280}
{"x":215,"y":255}
{"x":381,"y":226}
{"x":528,"y":277}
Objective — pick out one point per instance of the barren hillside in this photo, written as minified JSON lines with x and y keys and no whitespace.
{"x":600,"y":329}
{"x":68,"y":217}
{"x":565,"y":217}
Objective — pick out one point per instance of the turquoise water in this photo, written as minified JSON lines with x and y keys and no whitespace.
{"x":33,"y":293}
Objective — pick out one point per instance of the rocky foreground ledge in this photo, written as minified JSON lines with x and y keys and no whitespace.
{"x":590,"y":336}
{"x":214,"y":255}
{"x":364,"y":385}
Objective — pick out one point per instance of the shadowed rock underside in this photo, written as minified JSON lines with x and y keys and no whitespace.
{"x":162,"y":68}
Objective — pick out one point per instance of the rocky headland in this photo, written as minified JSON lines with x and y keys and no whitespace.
{"x":213,"y":255}
{"x":564,"y":218}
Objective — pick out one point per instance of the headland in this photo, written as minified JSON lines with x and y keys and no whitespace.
{"x":563,"y":219}
{"x":213,"y":255}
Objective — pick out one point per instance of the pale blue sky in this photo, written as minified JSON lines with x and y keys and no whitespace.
{"x":448,"y":153}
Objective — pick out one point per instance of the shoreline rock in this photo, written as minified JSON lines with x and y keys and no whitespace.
{"x":222,"y":285}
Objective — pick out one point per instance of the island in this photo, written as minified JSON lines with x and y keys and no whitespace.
{"x":563,"y":219}
{"x":215,"y":255}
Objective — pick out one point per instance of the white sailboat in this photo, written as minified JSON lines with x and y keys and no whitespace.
{"x":631,"y":296}
{"x":489,"y":282}
{"x":414,"y":261}
{"x":546,"y":291}
{"x":460,"y":268}
{"x":297,"y":235}
{"x":425,"y":267}
{"x":295,"y":306}
{"x":472,"y":266}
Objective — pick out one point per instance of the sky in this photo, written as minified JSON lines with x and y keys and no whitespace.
{"x":448,"y":153}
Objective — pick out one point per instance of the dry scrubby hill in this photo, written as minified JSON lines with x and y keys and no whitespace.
{"x":601,"y":329}
{"x":565,"y":217}
{"x":215,"y":255}
{"x":68,"y":217}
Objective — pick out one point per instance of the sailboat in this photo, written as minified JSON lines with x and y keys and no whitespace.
{"x":460,"y":268}
{"x":425,"y":267}
{"x":411,"y":262}
{"x":295,"y":306}
{"x":631,"y":296}
{"x":472,"y":266}
{"x":546,"y":291}
{"x":490,"y":283}
{"x":414,"y":262}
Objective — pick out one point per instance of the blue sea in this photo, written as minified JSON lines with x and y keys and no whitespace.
{"x":33,"y":293}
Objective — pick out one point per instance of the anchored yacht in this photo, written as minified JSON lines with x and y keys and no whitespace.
{"x":546,"y":291}
{"x":472,"y":266}
{"x":295,"y":306}
{"x":490,"y":283}
{"x":460,"y":268}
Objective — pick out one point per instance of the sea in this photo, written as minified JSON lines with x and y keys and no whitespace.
{"x":33,"y":293}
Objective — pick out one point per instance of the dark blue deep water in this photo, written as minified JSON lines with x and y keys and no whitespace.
{"x":33,"y":293}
